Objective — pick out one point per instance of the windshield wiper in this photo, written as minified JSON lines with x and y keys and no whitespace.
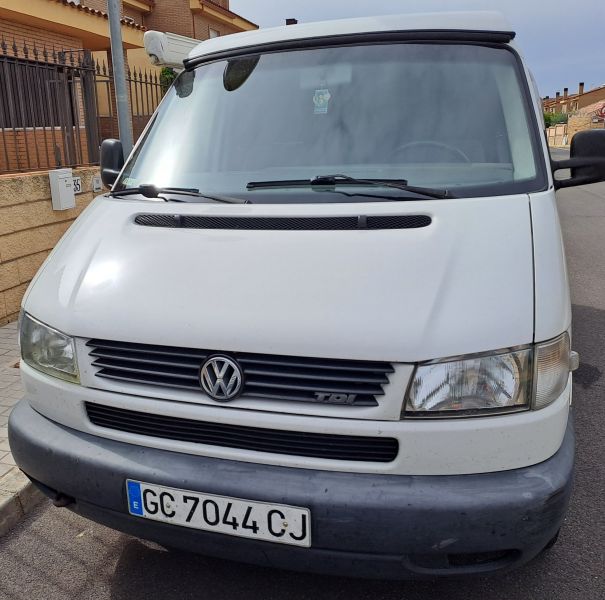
{"x":334,"y":180}
{"x":152,"y":191}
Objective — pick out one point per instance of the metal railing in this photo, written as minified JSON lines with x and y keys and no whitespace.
{"x":57,"y":105}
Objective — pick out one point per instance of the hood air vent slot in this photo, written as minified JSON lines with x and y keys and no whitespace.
{"x":285,"y":223}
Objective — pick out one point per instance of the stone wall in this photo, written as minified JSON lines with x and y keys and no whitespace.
{"x":557,"y":135}
{"x":29,"y":230}
{"x":584,"y":119}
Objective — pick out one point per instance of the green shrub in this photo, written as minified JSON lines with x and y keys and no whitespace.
{"x":167,"y":76}
{"x":551,"y":119}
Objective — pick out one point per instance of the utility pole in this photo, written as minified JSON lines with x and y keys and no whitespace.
{"x":119,"y":75}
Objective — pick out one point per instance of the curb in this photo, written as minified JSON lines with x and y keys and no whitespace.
{"x":18,"y":497}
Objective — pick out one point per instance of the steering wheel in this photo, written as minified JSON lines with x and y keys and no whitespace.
{"x":452,"y":149}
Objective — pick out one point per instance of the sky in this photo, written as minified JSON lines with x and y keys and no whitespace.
{"x":563,"y":42}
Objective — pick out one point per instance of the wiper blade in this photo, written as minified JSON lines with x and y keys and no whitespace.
{"x":334,"y":180}
{"x":152,"y":191}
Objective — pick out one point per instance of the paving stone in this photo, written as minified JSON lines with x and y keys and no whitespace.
{"x":8,"y":460}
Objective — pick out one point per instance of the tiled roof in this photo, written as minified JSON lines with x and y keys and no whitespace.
{"x":98,"y":13}
{"x":591,"y":109}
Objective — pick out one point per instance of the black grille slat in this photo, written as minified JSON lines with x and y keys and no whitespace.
{"x":286,"y":361}
{"x":148,"y":349}
{"x":159,"y":360}
{"x":130,"y":368}
{"x":328,"y":376}
{"x":296,"y":379}
{"x":220,"y":430}
{"x":314,"y":445}
{"x":325,"y":387}
{"x":172,"y":383}
{"x":328,"y":223}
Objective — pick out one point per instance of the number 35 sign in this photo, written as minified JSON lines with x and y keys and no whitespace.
{"x":77,"y":185}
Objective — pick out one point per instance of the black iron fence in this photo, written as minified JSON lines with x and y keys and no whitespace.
{"x":57,"y":106}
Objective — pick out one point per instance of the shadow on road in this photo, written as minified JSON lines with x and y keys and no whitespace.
{"x":147,"y":572}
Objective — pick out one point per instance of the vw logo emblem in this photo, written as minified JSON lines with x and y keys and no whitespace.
{"x":221,"y":378}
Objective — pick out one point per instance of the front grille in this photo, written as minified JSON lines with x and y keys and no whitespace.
{"x":295,"y":443}
{"x":266,"y":376}
{"x":285,"y":223}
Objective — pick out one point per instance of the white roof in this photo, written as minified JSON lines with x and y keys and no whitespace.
{"x":448,"y":21}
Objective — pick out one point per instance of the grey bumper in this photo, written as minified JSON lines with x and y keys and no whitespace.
{"x":381,"y":526}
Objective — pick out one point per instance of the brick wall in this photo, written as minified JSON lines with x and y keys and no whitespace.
{"x":96,"y":4}
{"x":133,"y":14}
{"x":29,"y":229}
{"x":171,"y":15}
{"x":28,"y":149}
{"x":203,"y":26}
{"x":26,"y":34}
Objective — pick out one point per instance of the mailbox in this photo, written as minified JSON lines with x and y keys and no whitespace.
{"x":62,"y":189}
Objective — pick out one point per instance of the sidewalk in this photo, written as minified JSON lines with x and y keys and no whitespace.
{"x":17,"y":494}
{"x":10,"y":390}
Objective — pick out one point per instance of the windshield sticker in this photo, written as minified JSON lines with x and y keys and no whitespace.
{"x":321,"y":101}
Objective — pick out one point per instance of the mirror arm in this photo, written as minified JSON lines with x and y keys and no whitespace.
{"x":572,"y":163}
{"x":573,"y":181}
{"x":578,"y":162}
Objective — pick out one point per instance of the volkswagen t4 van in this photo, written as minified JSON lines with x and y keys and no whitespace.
{"x":322,"y":319}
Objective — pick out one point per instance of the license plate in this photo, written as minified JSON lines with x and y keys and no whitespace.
{"x":231,"y":516}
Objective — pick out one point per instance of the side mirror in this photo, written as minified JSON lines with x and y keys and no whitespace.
{"x":587,"y":159}
{"x":112,"y":161}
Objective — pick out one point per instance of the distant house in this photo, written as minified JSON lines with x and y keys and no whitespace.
{"x":569,"y":103}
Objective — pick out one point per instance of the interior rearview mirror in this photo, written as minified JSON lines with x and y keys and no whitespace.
{"x":587,"y":159}
{"x":112,"y":161}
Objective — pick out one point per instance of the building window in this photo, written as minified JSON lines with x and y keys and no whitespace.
{"x":214,"y":33}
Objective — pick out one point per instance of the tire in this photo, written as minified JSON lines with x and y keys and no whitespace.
{"x":552,"y":542}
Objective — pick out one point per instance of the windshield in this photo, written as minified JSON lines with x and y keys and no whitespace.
{"x":447,"y":116}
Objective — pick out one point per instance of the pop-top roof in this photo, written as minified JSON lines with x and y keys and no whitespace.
{"x":478,"y":21}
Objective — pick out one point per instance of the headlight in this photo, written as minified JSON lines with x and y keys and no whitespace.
{"x":472,"y":385}
{"x":47,"y":349}
{"x":492,"y":384}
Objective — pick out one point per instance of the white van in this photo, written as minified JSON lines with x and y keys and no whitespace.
{"x":322,"y":319}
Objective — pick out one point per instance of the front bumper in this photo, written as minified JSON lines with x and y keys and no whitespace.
{"x":380,"y":526}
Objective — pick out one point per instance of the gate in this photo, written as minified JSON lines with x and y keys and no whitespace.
{"x":57,"y":106}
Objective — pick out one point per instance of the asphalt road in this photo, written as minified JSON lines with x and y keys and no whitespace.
{"x":55,"y":555}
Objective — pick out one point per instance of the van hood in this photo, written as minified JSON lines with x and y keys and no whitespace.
{"x":463,"y":284}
